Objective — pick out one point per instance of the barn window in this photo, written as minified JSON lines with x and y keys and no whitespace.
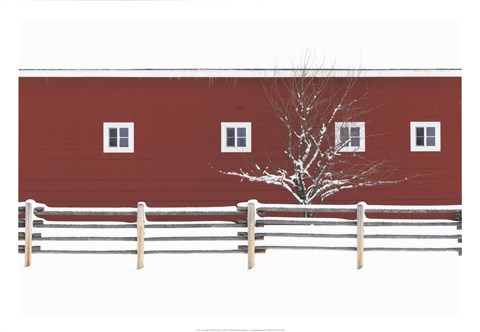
{"x":236,"y":137}
{"x":350,"y":136}
{"x":118,"y":137}
{"x":424,"y":136}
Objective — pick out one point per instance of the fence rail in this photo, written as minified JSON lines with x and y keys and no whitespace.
{"x":256,"y":228}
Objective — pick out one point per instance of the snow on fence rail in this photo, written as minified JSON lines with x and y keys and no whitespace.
{"x":256,"y":228}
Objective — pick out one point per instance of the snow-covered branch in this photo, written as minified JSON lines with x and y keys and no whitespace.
{"x":279,"y":179}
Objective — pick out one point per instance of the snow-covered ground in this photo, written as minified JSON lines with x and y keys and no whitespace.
{"x":286,"y":290}
{"x":282,"y":282}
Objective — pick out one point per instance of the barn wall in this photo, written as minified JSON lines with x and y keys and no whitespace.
{"x":177,"y":140}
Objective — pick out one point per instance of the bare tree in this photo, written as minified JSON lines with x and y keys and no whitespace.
{"x":324,"y":132}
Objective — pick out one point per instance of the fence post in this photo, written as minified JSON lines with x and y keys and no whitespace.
{"x":458,"y":217}
{"x":251,"y":221}
{"x":140,"y":234}
{"x":28,"y":231}
{"x":360,"y":225}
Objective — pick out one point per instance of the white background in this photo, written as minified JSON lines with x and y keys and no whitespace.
{"x":395,"y":293}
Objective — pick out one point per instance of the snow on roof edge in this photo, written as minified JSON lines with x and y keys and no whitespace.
{"x":237,"y":72}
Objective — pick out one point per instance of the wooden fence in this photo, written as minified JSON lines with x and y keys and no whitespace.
{"x":249,"y":228}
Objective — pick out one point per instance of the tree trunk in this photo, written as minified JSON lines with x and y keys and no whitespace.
{"x":307,"y":214}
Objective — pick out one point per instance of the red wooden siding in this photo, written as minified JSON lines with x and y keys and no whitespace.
{"x":177,"y":141}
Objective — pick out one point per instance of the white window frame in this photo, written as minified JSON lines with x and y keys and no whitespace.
{"x":413,"y":136}
{"x":223,"y":135}
{"x":106,"y":137}
{"x":349,"y":125}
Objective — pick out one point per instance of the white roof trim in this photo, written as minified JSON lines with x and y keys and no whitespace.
{"x":212,"y":72}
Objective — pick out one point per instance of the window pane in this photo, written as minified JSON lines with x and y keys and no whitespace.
{"x":430,"y":131}
{"x":355,"y":131}
{"x":230,"y":132}
{"x":231,"y":141}
{"x":112,"y":132}
{"x":241,"y":142}
{"x":123,"y":132}
{"x":420,"y":131}
{"x":420,"y":141}
{"x":355,"y":141}
{"x":112,"y":142}
{"x":343,"y":135}
{"x":124,"y":142}
{"x":242,"y":132}
{"x":430,"y":141}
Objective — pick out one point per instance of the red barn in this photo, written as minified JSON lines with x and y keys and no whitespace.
{"x":107,"y":138}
